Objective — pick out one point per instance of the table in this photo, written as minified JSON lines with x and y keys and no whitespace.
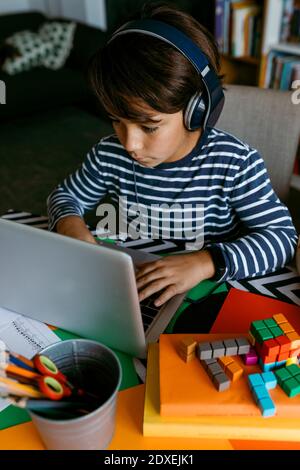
{"x":283,"y":285}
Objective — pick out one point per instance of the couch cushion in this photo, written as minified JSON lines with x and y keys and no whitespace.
{"x":42,"y":89}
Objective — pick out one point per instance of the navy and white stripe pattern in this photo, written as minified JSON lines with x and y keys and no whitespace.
{"x":242,"y":214}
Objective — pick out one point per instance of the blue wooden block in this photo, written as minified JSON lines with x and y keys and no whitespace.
{"x":280,"y":364}
{"x":261,"y":392}
{"x":255,"y":380}
{"x":267,"y":367}
{"x":267,"y":407}
{"x":270,"y":380}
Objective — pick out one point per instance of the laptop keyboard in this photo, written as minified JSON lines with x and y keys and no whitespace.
{"x":149,"y":310}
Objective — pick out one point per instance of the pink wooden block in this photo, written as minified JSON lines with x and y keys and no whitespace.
{"x":251,"y":358}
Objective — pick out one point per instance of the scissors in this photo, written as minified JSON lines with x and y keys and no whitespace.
{"x":43,"y":376}
{"x":53,"y":383}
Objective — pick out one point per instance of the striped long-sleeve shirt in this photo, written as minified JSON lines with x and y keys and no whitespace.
{"x":241,"y":213}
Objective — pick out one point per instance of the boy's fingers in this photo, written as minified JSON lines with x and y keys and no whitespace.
{"x":150,"y":289}
{"x":151,"y":276}
{"x":166,"y":295}
{"x":147,"y":268}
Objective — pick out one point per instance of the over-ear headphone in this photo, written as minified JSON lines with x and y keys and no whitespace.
{"x":204,"y":108}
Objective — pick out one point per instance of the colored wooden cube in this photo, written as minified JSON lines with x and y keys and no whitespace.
{"x":243,"y":345}
{"x":284,"y":343}
{"x":295,"y":352}
{"x":218,"y":348}
{"x":214,"y":369}
{"x":188,"y":345}
{"x":276,"y":331}
{"x":255,"y":380}
{"x":270,"y":348}
{"x":251,"y":338}
{"x":263,"y":335}
{"x":186,"y":357}
{"x":282,"y":375}
{"x":231,"y":347}
{"x":283,"y":356}
{"x":294,"y":339}
{"x":270,"y":322}
{"x":225,"y":361}
{"x":221,"y":382}
{"x":269,"y":379}
{"x":287,"y":328}
{"x":251,"y":358}
{"x":291,"y":387}
{"x":267,"y":407}
{"x":261,"y":392}
{"x":291,"y":360}
{"x":279,"y":318}
{"x":294,"y":370}
{"x":234,"y":371}
{"x":204,"y":351}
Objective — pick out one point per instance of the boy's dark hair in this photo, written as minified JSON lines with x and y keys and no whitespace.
{"x":136,"y":68}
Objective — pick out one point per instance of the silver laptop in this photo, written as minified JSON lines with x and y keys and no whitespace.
{"x":86,"y":289}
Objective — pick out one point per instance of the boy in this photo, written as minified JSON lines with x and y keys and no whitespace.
{"x":145,"y":85}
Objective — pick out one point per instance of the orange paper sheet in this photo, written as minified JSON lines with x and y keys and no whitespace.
{"x":186,"y":389}
{"x":241,"y":308}
{"x":128,"y":433}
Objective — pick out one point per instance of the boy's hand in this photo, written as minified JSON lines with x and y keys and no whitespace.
{"x":174,"y":274}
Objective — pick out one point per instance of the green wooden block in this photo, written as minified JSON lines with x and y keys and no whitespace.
{"x":257,"y":325}
{"x":263,"y":335}
{"x":270,"y":322}
{"x":294,"y":370}
{"x":291,"y":387}
{"x":282,"y":375}
{"x":276,"y":331}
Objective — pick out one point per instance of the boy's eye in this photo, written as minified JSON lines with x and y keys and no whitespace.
{"x":149,"y":130}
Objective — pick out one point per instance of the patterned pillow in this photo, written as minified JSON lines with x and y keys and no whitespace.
{"x":61,"y":36}
{"x":49,"y":47}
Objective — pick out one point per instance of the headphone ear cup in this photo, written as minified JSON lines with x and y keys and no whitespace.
{"x":195,"y":112}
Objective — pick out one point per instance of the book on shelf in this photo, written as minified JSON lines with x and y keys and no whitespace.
{"x":238,"y":27}
{"x":282,"y":69}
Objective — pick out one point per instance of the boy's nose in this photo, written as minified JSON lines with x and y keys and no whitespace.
{"x":133,"y":142}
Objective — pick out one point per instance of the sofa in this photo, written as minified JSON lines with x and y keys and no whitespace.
{"x":51,"y":118}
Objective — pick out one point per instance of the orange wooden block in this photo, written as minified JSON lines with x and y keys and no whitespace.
{"x":270,"y":348}
{"x":224,"y":361}
{"x":294,"y":339}
{"x":294,"y":352}
{"x":269,"y":359}
{"x":283,"y":356}
{"x":188,"y":345}
{"x":287,"y":327}
{"x":234,"y":371}
{"x":187,"y":357}
{"x":279,"y":318}
{"x":251,"y":338}
{"x":284,"y":342}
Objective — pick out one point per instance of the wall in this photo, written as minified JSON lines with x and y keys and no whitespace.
{"x":91,"y":12}
{"x":10,"y":6}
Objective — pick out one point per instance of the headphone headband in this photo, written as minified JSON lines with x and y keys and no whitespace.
{"x":181,"y":42}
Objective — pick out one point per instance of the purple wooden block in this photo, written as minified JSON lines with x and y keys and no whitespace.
{"x":251,"y":358}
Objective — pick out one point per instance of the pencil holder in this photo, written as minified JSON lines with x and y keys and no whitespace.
{"x":95,"y":369}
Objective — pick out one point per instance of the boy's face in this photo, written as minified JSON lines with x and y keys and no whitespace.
{"x":159,"y":138}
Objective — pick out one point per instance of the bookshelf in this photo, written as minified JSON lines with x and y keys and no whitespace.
{"x":274,"y":60}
